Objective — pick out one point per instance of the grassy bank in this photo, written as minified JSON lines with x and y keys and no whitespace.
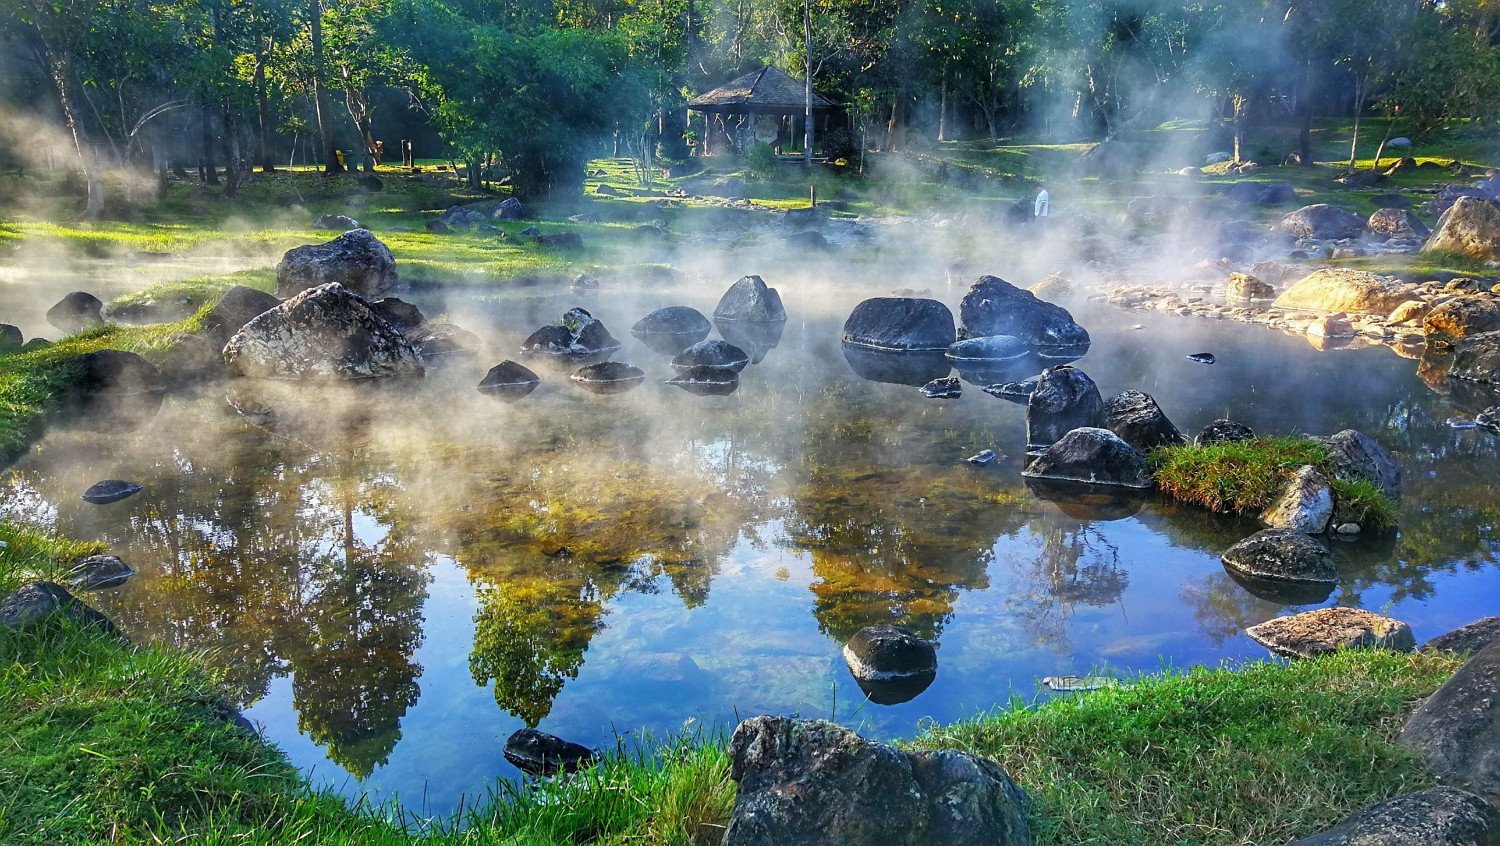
{"x":110,"y":742}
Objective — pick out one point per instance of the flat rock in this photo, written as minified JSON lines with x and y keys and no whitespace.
{"x":707,"y":380}
{"x":609,"y":377}
{"x":1457,"y":730}
{"x":1442,"y":816}
{"x":988,"y":349}
{"x":110,"y":490}
{"x":1470,"y":638}
{"x":1282,"y":555}
{"x":1326,"y":630}
{"x":1334,"y":290}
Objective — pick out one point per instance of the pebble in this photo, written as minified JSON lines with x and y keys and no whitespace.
{"x":1203,"y":358}
{"x":982,"y":458}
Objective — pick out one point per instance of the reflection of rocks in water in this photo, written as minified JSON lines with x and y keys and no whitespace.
{"x":707,"y":381}
{"x":1010,"y":373}
{"x":114,"y":391}
{"x":326,"y":420}
{"x":1281,"y":592}
{"x":1086,"y":502}
{"x":756,"y":338}
{"x":897,"y":368}
{"x":897,"y":690}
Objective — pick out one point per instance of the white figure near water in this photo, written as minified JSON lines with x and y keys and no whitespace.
{"x":1043,"y":203}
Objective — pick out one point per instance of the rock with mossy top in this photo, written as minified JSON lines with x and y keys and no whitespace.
{"x":1327,"y":630}
{"x":1441,"y":816}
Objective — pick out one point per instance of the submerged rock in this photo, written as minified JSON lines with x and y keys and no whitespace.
{"x":1282,"y":555}
{"x":711,"y":354}
{"x":948,"y":387}
{"x":538,"y":753}
{"x":1305,"y":504}
{"x":750,"y":299}
{"x":707,"y":380}
{"x":1441,"y":816}
{"x":32,"y":603}
{"x":897,"y":368}
{"x":110,"y":490}
{"x":76,"y":312}
{"x":806,"y":781}
{"x":99,"y":572}
{"x":1326,"y":630}
{"x":902,"y":324}
{"x":983,"y":458}
{"x":1065,"y":399}
{"x":509,"y":380}
{"x":323,"y":333}
{"x":995,"y":307}
{"x":755,"y":338}
{"x":1457,"y":730}
{"x":992,"y":348}
{"x":356,"y":259}
{"x":1091,"y":456}
{"x":609,"y":377}
{"x":1223,"y":431}
{"x":1135,"y":417}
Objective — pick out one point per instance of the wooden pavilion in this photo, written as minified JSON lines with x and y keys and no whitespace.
{"x":765,"y":105}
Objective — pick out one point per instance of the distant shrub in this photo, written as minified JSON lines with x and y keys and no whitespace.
{"x":761,"y":160}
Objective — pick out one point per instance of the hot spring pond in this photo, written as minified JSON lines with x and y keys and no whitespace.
{"x":397,"y":578}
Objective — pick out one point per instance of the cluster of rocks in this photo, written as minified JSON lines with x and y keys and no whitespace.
{"x":478,"y":217}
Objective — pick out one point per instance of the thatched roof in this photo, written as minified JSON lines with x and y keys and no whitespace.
{"x":766,"y":91}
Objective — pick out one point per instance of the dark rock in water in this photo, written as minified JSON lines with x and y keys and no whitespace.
{"x":672,"y":329}
{"x":336,"y":222}
{"x":1282,"y":555}
{"x":1065,"y":399}
{"x":110,"y":490}
{"x":878,"y":653}
{"x":996,"y":307}
{"x":11,"y":338}
{"x":706,"y":381}
{"x":323,"y":333}
{"x":1470,"y":638}
{"x":32,"y":603}
{"x":983,"y":458}
{"x":1092,"y":456}
{"x":1457,"y":730}
{"x":752,"y":300}
{"x":356,"y":260}
{"x":1224,"y":431}
{"x":538,"y":753}
{"x":1282,"y":592}
{"x":711,"y":354}
{"x":609,"y":377}
{"x":1082,"y":501}
{"x":1326,"y":630}
{"x":509,"y":380}
{"x":238,"y":306}
{"x":895,"y":691}
{"x":897,"y":368}
{"x":442,"y":343}
{"x":946,"y":388}
{"x":810,"y":781}
{"x":756,"y":339}
{"x":1477,"y":358}
{"x":991,"y":348}
{"x":99,"y":572}
{"x":402,"y":315}
{"x":1357,"y":457}
{"x":1441,"y":816}
{"x":905,"y":324}
{"x":76,"y":312}
{"x":1135,"y":416}
{"x":115,"y":390}
{"x":983,"y":374}
{"x":1203,"y":358}
{"x":1015,"y":391}
{"x":578,"y":335}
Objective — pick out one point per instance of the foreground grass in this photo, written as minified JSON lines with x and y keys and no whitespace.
{"x":1246,"y":476}
{"x":105,"y":741}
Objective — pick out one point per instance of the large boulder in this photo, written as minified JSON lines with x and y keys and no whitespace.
{"x":1281,"y":555}
{"x":1457,"y":730}
{"x":356,"y":259}
{"x":539,"y":753}
{"x":238,"y":306}
{"x":1305,"y":504}
{"x":1355,"y":457}
{"x":1470,"y":227}
{"x":750,"y":299}
{"x":1135,"y":417}
{"x":672,"y":329}
{"x":76,"y":312}
{"x":995,"y":307}
{"x":1091,"y":456}
{"x":35,"y":602}
{"x":810,"y":781}
{"x":1442,"y":816}
{"x":1223,"y":431}
{"x":324,"y":333}
{"x":1468,"y":638}
{"x":900,"y":323}
{"x":1477,"y":358}
{"x":1323,"y":222}
{"x":878,"y":653}
{"x":1461,"y":317}
{"x":1326,"y":630}
{"x":1064,"y":399}
{"x":1334,"y":290}
{"x":1386,"y":224}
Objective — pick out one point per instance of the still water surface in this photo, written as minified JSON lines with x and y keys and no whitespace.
{"x":396,"y":579}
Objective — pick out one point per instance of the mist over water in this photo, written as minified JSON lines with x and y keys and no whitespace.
{"x":396,"y":578}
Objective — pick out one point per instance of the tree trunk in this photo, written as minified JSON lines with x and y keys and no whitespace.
{"x":263,"y":113}
{"x":206,"y":169}
{"x":326,"y":137}
{"x":807,"y":141}
{"x":1239,"y":126}
{"x":61,"y":71}
{"x":234,"y":173}
{"x":1304,"y":134}
{"x":1359,"y":109}
{"x":943,"y":109}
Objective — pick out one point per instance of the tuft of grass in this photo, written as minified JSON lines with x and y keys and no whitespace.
{"x":1265,"y":753}
{"x":1240,"y":476}
{"x":1366,"y":504}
